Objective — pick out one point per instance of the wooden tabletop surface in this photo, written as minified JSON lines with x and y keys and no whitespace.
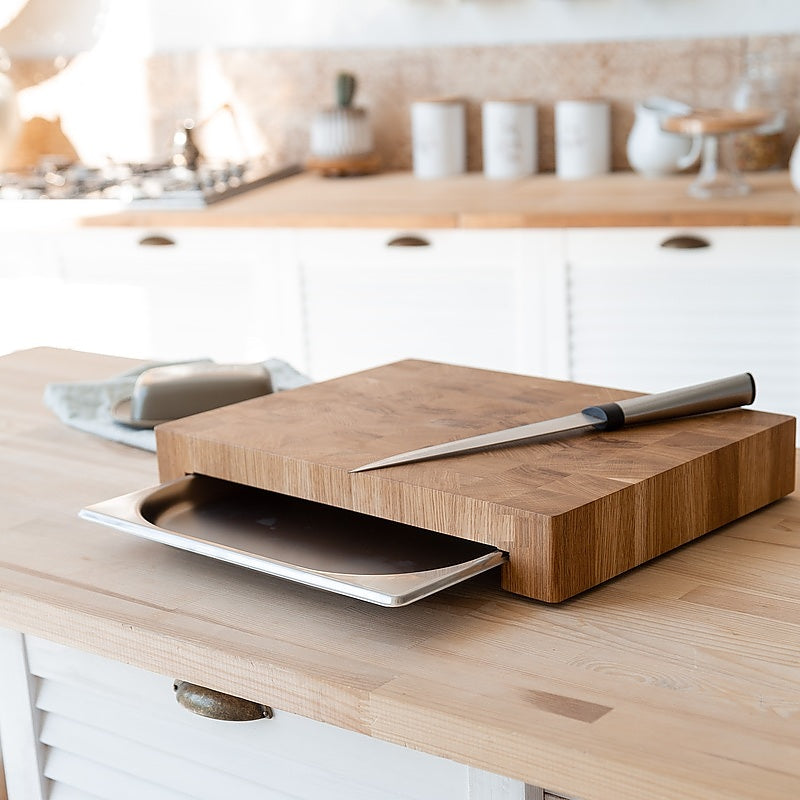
{"x":679,"y":679}
{"x":398,"y":200}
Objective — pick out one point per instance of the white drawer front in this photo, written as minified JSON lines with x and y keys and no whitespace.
{"x":198,"y":294}
{"x":115,"y":732}
{"x":649,"y":320}
{"x":476,"y":298}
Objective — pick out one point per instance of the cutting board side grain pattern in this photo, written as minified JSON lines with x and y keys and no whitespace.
{"x":572,"y":511}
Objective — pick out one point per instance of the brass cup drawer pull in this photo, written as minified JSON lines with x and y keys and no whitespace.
{"x":408,"y":240}
{"x":156,"y":240}
{"x":217,"y":705}
{"x":685,"y":242}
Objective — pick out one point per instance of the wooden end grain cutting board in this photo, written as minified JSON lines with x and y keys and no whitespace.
{"x":571,"y":512}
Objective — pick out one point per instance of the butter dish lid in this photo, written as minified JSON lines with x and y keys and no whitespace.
{"x":175,"y":391}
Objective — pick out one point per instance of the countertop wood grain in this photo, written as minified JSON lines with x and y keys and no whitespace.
{"x":398,"y":200}
{"x":677,"y":679}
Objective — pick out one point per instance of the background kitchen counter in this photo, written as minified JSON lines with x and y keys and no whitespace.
{"x":398,"y":200}
{"x":591,"y":286}
{"x":678,"y":679}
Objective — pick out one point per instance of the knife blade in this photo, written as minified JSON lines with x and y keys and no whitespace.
{"x":717,"y":395}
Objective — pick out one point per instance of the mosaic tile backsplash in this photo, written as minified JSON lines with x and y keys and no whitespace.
{"x":263,"y":101}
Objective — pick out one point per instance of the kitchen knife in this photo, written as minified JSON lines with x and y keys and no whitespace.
{"x":731,"y":392}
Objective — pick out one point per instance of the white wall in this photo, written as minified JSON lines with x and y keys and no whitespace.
{"x":64,"y":27}
{"x":357,"y":23}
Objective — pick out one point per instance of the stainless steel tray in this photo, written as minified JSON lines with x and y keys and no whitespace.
{"x":341,"y":551}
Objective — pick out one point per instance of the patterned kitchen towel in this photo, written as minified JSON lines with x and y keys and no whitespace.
{"x":87,"y":405}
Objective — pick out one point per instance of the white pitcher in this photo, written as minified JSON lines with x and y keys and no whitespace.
{"x":794,"y":165}
{"x":652,"y":151}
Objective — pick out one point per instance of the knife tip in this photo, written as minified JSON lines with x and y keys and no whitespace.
{"x":363,"y":467}
{"x":384,"y":462}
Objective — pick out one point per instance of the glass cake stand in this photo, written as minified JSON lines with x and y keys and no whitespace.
{"x":718,"y":175}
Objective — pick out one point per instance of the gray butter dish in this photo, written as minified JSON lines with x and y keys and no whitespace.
{"x":170,"y":392}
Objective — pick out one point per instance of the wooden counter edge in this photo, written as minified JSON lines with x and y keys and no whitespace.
{"x":390,"y":712}
{"x":399,"y":201}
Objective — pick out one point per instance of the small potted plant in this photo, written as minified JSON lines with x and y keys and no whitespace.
{"x":341,"y":136}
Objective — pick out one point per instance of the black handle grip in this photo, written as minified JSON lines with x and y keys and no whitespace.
{"x":719,"y":395}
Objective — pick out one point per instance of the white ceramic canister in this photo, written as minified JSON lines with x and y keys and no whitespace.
{"x":510,"y":138}
{"x":583,"y":138}
{"x":439,"y":137}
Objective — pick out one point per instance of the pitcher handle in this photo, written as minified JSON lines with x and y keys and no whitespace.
{"x":689,"y":159}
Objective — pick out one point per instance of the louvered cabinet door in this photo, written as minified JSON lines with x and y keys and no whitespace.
{"x":654,"y":309}
{"x":109,"y":731}
{"x":490,"y":299}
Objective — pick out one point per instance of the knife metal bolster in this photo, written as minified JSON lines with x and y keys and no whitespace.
{"x":609,"y":416}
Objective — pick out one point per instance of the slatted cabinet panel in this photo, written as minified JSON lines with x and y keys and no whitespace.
{"x":114,"y":732}
{"x":649,"y":317}
{"x":491,"y":299}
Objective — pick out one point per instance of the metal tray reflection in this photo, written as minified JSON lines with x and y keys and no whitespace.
{"x":341,"y":551}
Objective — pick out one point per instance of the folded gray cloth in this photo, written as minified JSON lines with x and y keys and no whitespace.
{"x":87,"y":405}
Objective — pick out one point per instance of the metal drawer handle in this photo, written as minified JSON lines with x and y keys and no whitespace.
{"x":217,"y":705}
{"x":408,"y":241}
{"x":156,"y":241}
{"x":685,"y":242}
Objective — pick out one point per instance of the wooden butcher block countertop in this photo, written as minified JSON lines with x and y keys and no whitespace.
{"x":398,"y":200}
{"x":679,"y":679}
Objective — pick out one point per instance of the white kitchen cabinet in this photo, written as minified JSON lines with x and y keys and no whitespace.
{"x":649,"y":317}
{"x":492,"y":299}
{"x":178,"y":294}
{"x":30,"y":296}
{"x":84,"y":727}
{"x":609,"y":306}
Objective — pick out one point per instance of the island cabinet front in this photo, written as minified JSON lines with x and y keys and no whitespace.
{"x":675,"y":679}
{"x":78,"y":726}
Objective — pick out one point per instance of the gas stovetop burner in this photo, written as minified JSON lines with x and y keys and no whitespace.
{"x":139,"y":184}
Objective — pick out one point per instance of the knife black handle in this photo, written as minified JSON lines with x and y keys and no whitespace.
{"x":737,"y":390}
